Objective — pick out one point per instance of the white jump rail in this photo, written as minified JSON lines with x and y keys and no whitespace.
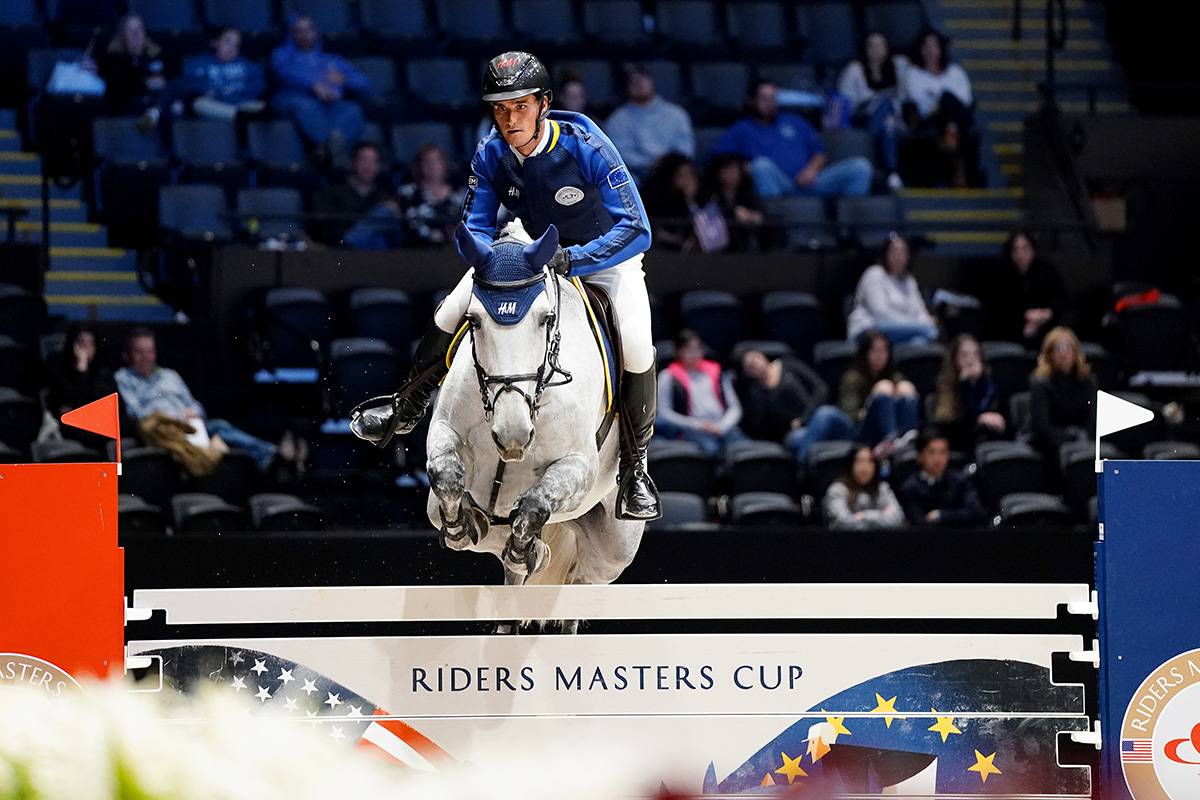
{"x":315,"y":604}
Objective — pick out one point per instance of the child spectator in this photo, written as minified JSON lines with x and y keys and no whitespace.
{"x":696,"y":401}
{"x":937,"y":495}
{"x":220,"y":85}
{"x":1028,"y":296}
{"x":1062,"y":394}
{"x":888,"y":298}
{"x":430,"y":205}
{"x":673,"y":202}
{"x":859,"y":500}
{"x":872,"y":85}
{"x":967,"y":398}
{"x":779,"y":396}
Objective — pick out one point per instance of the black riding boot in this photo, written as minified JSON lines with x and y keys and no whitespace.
{"x":381,"y":423}
{"x":638,"y":496}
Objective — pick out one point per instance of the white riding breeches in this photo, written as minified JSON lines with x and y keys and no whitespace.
{"x":625,"y":285}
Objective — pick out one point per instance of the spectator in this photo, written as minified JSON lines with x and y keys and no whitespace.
{"x":360,"y":195}
{"x":647,"y":127}
{"x":859,"y":500}
{"x":220,"y":85}
{"x":786,"y":155}
{"x":1062,"y":394}
{"x":877,"y":405}
{"x":572,"y":94}
{"x":77,"y":377}
{"x":313,"y":87}
{"x":1028,"y":297}
{"x":430,"y":205}
{"x":872,"y":85}
{"x":678,"y":220}
{"x":159,"y":399}
{"x":888,"y":298}
{"x":779,"y":396}
{"x":728,"y":184}
{"x":937,"y":99}
{"x":696,"y":401}
{"x":967,"y":398}
{"x":936,"y":495}
{"x":133,"y":72}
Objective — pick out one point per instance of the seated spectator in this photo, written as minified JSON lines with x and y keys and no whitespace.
{"x":876,"y":403}
{"x":572,"y":94}
{"x":779,"y":396}
{"x":133,"y":71}
{"x":859,"y":500}
{"x":647,"y":127}
{"x":967,"y":398}
{"x":937,"y":495}
{"x":1062,"y":394}
{"x":1028,"y":296}
{"x":360,"y":195}
{"x":430,"y":205}
{"x":696,"y":402}
{"x":312,"y":89}
{"x":786,"y":156}
{"x":220,"y":85}
{"x":77,"y":377}
{"x":888,"y":298}
{"x":937,"y":101}
{"x":729,"y":185}
{"x":678,"y":221}
{"x":872,"y":85}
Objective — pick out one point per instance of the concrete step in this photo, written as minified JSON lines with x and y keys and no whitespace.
{"x":966,"y":205}
{"x":967,"y":243}
{"x":109,"y":309}
{"x":93,"y":282}
{"x":8,"y":118}
{"x":92,"y":259}
{"x":18,"y":162}
{"x":61,"y":210}
{"x":70,"y":234}
{"x":974,"y":23}
{"x":1001,"y":42}
{"x":10,"y":140}
{"x":1006,"y":6}
{"x":31,"y":186}
{"x":963,"y":215}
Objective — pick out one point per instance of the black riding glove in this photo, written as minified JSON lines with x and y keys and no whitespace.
{"x":560,"y":262}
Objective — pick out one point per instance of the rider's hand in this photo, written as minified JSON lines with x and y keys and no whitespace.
{"x":560,"y":262}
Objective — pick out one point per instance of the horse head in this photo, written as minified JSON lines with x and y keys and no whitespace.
{"x":514,"y":330}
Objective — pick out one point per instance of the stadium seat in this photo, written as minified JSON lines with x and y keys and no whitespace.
{"x":400,"y":20}
{"x":1010,"y":365}
{"x":596,"y":75}
{"x":899,"y":20}
{"x":297,"y":325}
{"x":690,"y":26}
{"x":167,"y":15}
{"x":195,"y":211}
{"x":18,"y":367}
{"x":22,"y":316}
{"x":920,"y":363}
{"x":1103,"y":365}
{"x":207,"y":151}
{"x":65,"y":451}
{"x":794,"y":318}
{"x":149,"y":473}
{"x":234,"y":479}
{"x":197,"y":512}
{"x":120,"y":140}
{"x":1077,"y":461}
{"x":831,"y":359}
{"x":679,"y":466}
{"x":137,"y":517}
{"x":707,"y":137}
{"x":332,"y":17}
{"x":830,"y":32}
{"x":803,"y":221}
{"x":381,"y":72}
{"x":8,"y":455}
{"x":360,"y":368}
{"x":752,"y":466}
{"x":284,"y":512}
{"x":1020,"y":418}
{"x":545,"y":22}
{"x":439,"y":82}
{"x":718,"y":318}
{"x":790,"y":75}
{"x":668,"y":81}
{"x":765,"y":509}
{"x":1171,"y":451}
{"x":682,"y":508}
{"x":20,"y":419}
{"x":720,"y":86}
{"x":770,"y":348}
{"x":848,"y":143}
{"x":384,"y":314}
{"x":276,"y":149}
{"x":410,"y":137}
{"x":758,"y":27}
{"x":617,"y":25}
{"x":1155,"y":336}
{"x":280,"y":210}
{"x":248,"y":16}
{"x":18,"y":14}
{"x":1005,"y":468}
{"x":1032,"y":510}
{"x":869,"y":220}
{"x":826,"y":463}
{"x":476,"y":22}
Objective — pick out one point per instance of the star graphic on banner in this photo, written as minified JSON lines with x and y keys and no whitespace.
{"x":260,"y":666}
{"x":817,"y":748}
{"x":767,"y":780}
{"x":984,"y":766}
{"x":239,"y":683}
{"x":839,"y":726}
{"x":309,"y":687}
{"x":289,"y":703}
{"x":235,"y":657}
{"x":355,"y":711}
{"x":262,"y":694}
{"x":791,"y":768}
{"x":312,"y":718}
{"x":285,"y":676}
{"x":885,"y":707}
{"x":944,"y":726}
{"x":333,"y":701}
{"x":336,"y":733}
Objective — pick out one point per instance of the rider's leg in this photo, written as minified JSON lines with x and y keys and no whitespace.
{"x":626,"y":286}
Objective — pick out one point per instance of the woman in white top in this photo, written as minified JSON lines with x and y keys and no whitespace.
{"x":888,"y":298}
{"x":859,"y":500}
{"x":936,"y":94}
{"x":872,"y":85}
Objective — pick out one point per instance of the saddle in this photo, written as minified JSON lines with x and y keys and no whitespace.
{"x":608,"y":338}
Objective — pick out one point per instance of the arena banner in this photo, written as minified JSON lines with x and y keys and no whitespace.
{"x":1149,"y":620}
{"x":718,"y":715}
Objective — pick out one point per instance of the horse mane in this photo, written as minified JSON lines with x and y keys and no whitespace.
{"x":515,"y":229}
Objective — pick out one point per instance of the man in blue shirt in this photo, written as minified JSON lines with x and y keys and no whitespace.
{"x":785,"y":154}
{"x":313,"y":86}
{"x":553,"y":168}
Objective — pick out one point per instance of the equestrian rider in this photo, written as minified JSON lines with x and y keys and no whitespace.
{"x":555,"y":167}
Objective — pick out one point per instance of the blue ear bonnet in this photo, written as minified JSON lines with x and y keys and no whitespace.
{"x":507,"y":261}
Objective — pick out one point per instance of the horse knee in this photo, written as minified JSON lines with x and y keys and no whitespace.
{"x":447,"y":477}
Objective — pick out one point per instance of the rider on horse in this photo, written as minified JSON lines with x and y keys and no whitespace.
{"x":554,"y":168}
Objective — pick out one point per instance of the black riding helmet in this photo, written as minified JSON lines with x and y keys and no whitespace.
{"x":516,"y":74}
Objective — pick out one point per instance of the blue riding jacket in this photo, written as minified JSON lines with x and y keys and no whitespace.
{"x":578,"y":183}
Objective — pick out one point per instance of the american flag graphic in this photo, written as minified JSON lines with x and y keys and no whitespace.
{"x":1136,"y":751}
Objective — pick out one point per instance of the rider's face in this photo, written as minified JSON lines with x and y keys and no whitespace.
{"x":517,"y":119}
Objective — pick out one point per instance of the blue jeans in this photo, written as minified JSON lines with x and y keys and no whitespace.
{"x":882,"y":126}
{"x":378,"y":230}
{"x":886,"y":417}
{"x":317,"y":121}
{"x":262,"y":452}
{"x":711,"y":444}
{"x":899,"y":332}
{"x":850,"y":177}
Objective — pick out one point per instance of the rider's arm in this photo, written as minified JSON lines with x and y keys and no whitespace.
{"x":630,"y":234}
{"x":485,"y":205}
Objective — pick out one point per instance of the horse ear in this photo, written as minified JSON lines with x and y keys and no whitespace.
{"x":473,"y":250}
{"x":539,"y":253}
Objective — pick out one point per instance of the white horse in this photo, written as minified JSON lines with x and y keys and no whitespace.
{"x":513,"y":461}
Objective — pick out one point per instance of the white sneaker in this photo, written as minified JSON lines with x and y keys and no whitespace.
{"x":894,"y":183}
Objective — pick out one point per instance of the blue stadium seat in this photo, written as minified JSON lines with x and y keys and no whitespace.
{"x":296,"y":319}
{"x":384,"y":314}
{"x":765,"y":509}
{"x":441,"y":82}
{"x":207,"y":151}
{"x":899,"y":20}
{"x":545,"y":22}
{"x":18,"y":13}
{"x":194,"y":211}
{"x":790,"y":75}
{"x":278,"y":154}
{"x":920,"y":363}
{"x":794,"y":318}
{"x":473,"y":21}
{"x":869,"y":220}
{"x":682,"y":508}
{"x":720,"y":85}
{"x":332,"y":17}
{"x":396,"y":19}
{"x":118,"y":139}
{"x":22,"y":316}
{"x":679,"y":466}
{"x":167,"y":15}
{"x":285,"y":513}
{"x":360,"y":368}
{"x":597,"y":76}
{"x":137,"y":517}
{"x":848,"y":143}
{"x":707,"y":137}
{"x":618,"y":25}
{"x":281,"y":209}
{"x":830,"y":31}
{"x":1010,"y":365}
{"x":717,"y":317}
{"x":826,"y":463}
{"x":410,"y":137}
{"x":200,"y":512}
{"x":756,"y":27}
{"x":752,"y":466}
{"x":248,"y":16}
{"x":1006,"y":468}
{"x":380,"y":71}
{"x":668,"y":79}
{"x":831,"y":359}
{"x":802,"y":220}
{"x":690,"y":24}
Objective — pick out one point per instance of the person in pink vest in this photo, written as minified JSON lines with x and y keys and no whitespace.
{"x":696,"y":400}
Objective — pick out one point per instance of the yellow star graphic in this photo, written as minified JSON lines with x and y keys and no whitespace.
{"x":791,"y":768}
{"x":984,"y":766}
{"x":839,"y":725}
{"x":767,"y":780}
{"x":944,"y":726}
{"x":885,"y":707}
{"x":817,"y":748}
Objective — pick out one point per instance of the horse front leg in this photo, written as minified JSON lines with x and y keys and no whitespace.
{"x":562,"y":487}
{"x":457,"y":526}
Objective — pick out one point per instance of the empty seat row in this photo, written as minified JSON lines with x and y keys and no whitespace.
{"x":199,"y":512}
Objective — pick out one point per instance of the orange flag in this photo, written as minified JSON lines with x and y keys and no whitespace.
{"x":102,"y":416}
